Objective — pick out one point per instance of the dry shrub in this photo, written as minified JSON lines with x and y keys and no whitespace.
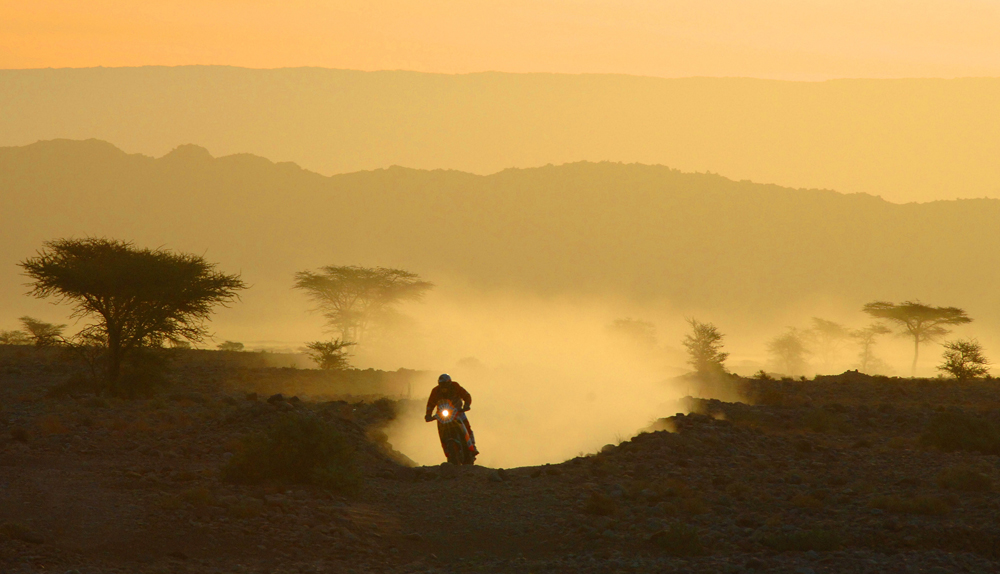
{"x":20,"y":434}
{"x":804,"y":541}
{"x":298,"y":448}
{"x":170,"y":503}
{"x":960,"y":431}
{"x":20,"y":532}
{"x":965,"y":479}
{"x":199,"y":497}
{"x":738,"y":490}
{"x":51,"y":424}
{"x":600,"y":504}
{"x":821,"y":421}
{"x":807,"y":501}
{"x":691,"y":506}
{"x":246,"y":508}
{"x":897,"y":443}
{"x":679,"y":540}
{"x":926,"y":505}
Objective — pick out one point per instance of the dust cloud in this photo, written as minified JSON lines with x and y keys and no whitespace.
{"x":548,"y":379}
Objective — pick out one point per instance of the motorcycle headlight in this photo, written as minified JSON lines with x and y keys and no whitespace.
{"x":445,"y":413}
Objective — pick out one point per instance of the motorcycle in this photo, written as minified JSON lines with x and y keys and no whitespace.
{"x":455,"y":439}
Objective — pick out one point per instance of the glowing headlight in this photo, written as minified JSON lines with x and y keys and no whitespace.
{"x":445,"y":413}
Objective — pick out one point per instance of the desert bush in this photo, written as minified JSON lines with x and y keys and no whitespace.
{"x":600,"y":504}
{"x":927,"y":505}
{"x":803,"y":541}
{"x":679,"y":540}
{"x":950,"y":431}
{"x":964,"y":359}
{"x":807,"y":501}
{"x":246,"y":508}
{"x":738,"y":490}
{"x":821,"y":421}
{"x":52,"y":424}
{"x":15,"y":531}
{"x":19,"y":434}
{"x":231,"y":346}
{"x":965,"y":479}
{"x":297,"y":449}
{"x":386,"y":407}
{"x":691,"y":506}
{"x":199,"y":497}
{"x":330,"y":355}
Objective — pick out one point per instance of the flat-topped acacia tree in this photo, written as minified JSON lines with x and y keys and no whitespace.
{"x":354,"y":298}
{"x":138,"y":298}
{"x":922,"y":322}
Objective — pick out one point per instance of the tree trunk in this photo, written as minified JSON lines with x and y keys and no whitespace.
{"x":114,"y":367}
{"x":916,"y":353}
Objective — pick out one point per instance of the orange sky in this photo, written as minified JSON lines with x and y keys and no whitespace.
{"x":790,"y":39}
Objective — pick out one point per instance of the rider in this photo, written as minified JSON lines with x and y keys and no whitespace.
{"x":450,"y":390}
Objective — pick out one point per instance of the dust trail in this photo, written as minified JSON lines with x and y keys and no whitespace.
{"x":548,"y":380}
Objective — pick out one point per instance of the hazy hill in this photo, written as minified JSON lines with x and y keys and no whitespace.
{"x":906,"y":140}
{"x":643,"y":233}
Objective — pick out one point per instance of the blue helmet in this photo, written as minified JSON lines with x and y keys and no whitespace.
{"x":445,"y":378}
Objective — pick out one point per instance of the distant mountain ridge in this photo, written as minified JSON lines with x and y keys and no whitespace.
{"x":636,"y":232}
{"x":905,"y":140}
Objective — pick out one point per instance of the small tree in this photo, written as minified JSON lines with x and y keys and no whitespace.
{"x":138,"y":298}
{"x":330,"y":355}
{"x":704,"y":346}
{"x":42,"y":333}
{"x":964,"y":359}
{"x":637,"y":331}
{"x":14,"y":338}
{"x":828,"y":338}
{"x":355,"y":299}
{"x":865,"y":339}
{"x":788,"y":353}
{"x":234,"y":346}
{"x":922,"y":322}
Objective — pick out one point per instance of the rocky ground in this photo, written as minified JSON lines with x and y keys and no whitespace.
{"x":827,"y":475}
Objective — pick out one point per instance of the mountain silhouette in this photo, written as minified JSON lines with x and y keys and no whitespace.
{"x":905,"y":140}
{"x":634,"y":232}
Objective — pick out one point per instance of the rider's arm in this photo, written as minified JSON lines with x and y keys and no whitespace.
{"x":431,"y":401}
{"x":465,"y":396}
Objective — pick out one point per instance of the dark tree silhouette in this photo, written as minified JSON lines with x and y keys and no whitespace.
{"x":922,"y":322}
{"x":232,"y":346}
{"x":140,"y":298}
{"x":42,"y":333}
{"x":329,"y":355}
{"x":353,"y":299}
{"x":14,"y":337}
{"x":964,"y":359}
{"x":704,"y":346}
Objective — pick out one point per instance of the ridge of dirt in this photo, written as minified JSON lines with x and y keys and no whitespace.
{"x":825,"y":476}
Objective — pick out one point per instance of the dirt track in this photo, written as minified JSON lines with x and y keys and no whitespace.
{"x":827,"y":476}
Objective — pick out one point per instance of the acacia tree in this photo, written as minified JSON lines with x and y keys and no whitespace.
{"x":788,"y":352}
{"x":964,"y":359}
{"x":828,"y":338}
{"x":704,"y":346}
{"x":329,"y":355}
{"x":637,"y":331}
{"x":42,"y":333}
{"x":354,"y":299}
{"x":138,"y":298}
{"x":866,"y":338}
{"x":923,"y":323}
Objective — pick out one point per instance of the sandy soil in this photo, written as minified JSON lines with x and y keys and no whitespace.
{"x":819,"y":476}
